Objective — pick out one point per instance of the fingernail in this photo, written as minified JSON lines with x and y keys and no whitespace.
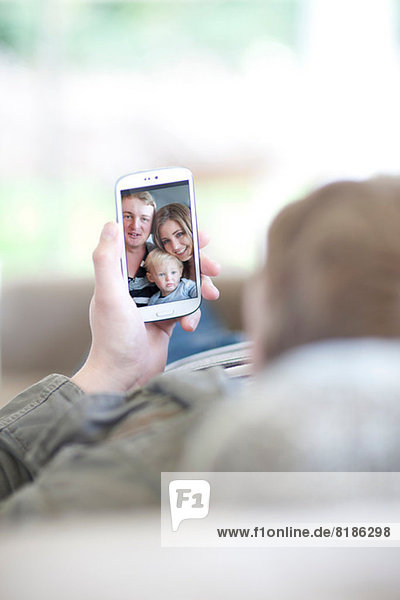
{"x":192,"y":322}
{"x":195,"y":318}
{"x":109,"y":232}
{"x":214,"y":287}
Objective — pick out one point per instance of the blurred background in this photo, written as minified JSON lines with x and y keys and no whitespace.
{"x":261,"y":99}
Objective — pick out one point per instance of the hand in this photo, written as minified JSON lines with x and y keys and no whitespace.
{"x":124,"y":351}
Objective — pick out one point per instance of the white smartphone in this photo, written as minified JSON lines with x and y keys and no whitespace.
{"x":157,"y":215}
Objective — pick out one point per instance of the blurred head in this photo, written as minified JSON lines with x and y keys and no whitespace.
{"x":172,"y":231}
{"x":333,"y":267}
{"x":164,"y":270}
{"x":137,"y":211}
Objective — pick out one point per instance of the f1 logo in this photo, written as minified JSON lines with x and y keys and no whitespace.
{"x":188,"y":499}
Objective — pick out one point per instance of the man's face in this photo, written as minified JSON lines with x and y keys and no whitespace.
{"x":138,"y":218}
{"x":166,"y":276}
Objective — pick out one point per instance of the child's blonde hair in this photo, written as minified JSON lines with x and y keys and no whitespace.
{"x":156,"y":256}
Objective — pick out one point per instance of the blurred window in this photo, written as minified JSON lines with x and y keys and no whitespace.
{"x":261,"y":99}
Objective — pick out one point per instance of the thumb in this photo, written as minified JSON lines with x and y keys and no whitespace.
{"x":106,"y":258}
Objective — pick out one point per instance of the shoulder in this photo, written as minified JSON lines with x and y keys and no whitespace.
{"x":187,"y":284}
{"x":154,"y":298}
{"x":339,"y":396}
{"x":188,"y":287}
{"x":149,"y":247}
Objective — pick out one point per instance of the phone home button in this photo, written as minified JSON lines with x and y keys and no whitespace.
{"x":165,"y":313}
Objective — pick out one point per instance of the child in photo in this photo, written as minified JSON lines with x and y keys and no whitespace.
{"x":165,"y":270}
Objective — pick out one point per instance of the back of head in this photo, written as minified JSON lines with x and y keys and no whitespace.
{"x":333,"y":266}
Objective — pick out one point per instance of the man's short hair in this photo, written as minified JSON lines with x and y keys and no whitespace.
{"x":333,"y":266}
{"x":146,"y":197}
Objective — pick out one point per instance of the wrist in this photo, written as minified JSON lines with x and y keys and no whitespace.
{"x":95,"y":379}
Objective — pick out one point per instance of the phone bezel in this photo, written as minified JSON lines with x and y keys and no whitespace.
{"x":146,"y":179}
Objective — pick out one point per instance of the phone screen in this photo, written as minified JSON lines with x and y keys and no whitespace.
{"x":158,"y":235}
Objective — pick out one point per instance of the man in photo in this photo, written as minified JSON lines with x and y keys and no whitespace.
{"x":138,"y":209}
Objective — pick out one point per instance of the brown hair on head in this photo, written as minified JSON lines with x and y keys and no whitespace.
{"x":333,"y":266}
{"x":174,"y":212}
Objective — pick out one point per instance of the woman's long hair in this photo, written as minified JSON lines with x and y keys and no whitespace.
{"x":174,"y":212}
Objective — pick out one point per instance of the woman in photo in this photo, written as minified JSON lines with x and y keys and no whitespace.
{"x":172,"y":232}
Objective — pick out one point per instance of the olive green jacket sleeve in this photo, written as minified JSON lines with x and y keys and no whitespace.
{"x":63,"y":451}
{"x":22,"y":422}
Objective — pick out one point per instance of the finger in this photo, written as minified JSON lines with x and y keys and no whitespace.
{"x":165,"y":326}
{"x":208,"y":289}
{"x":158,"y":335}
{"x":209,"y":266}
{"x":190,"y":322}
{"x":204,"y":239}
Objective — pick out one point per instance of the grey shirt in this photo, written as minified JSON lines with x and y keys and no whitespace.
{"x":186,"y":289}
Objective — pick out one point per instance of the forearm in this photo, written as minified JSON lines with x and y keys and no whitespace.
{"x":13,"y":474}
{"x":22,"y":422}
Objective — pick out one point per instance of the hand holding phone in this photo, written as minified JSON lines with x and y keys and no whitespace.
{"x":124,"y":352}
{"x":156,"y":211}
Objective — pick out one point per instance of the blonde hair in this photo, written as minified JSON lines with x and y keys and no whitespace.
{"x":333,"y":266}
{"x":156,"y":256}
{"x":146,"y":197}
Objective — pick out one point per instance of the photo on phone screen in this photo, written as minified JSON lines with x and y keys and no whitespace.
{"x":161,"y":250}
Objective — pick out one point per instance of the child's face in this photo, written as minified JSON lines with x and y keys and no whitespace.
{"x":166,"y":275}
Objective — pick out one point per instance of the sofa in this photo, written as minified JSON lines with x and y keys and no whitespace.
{"x":45,"y":327}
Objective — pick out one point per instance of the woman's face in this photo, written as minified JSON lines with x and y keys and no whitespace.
{"x":175,"y":240}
